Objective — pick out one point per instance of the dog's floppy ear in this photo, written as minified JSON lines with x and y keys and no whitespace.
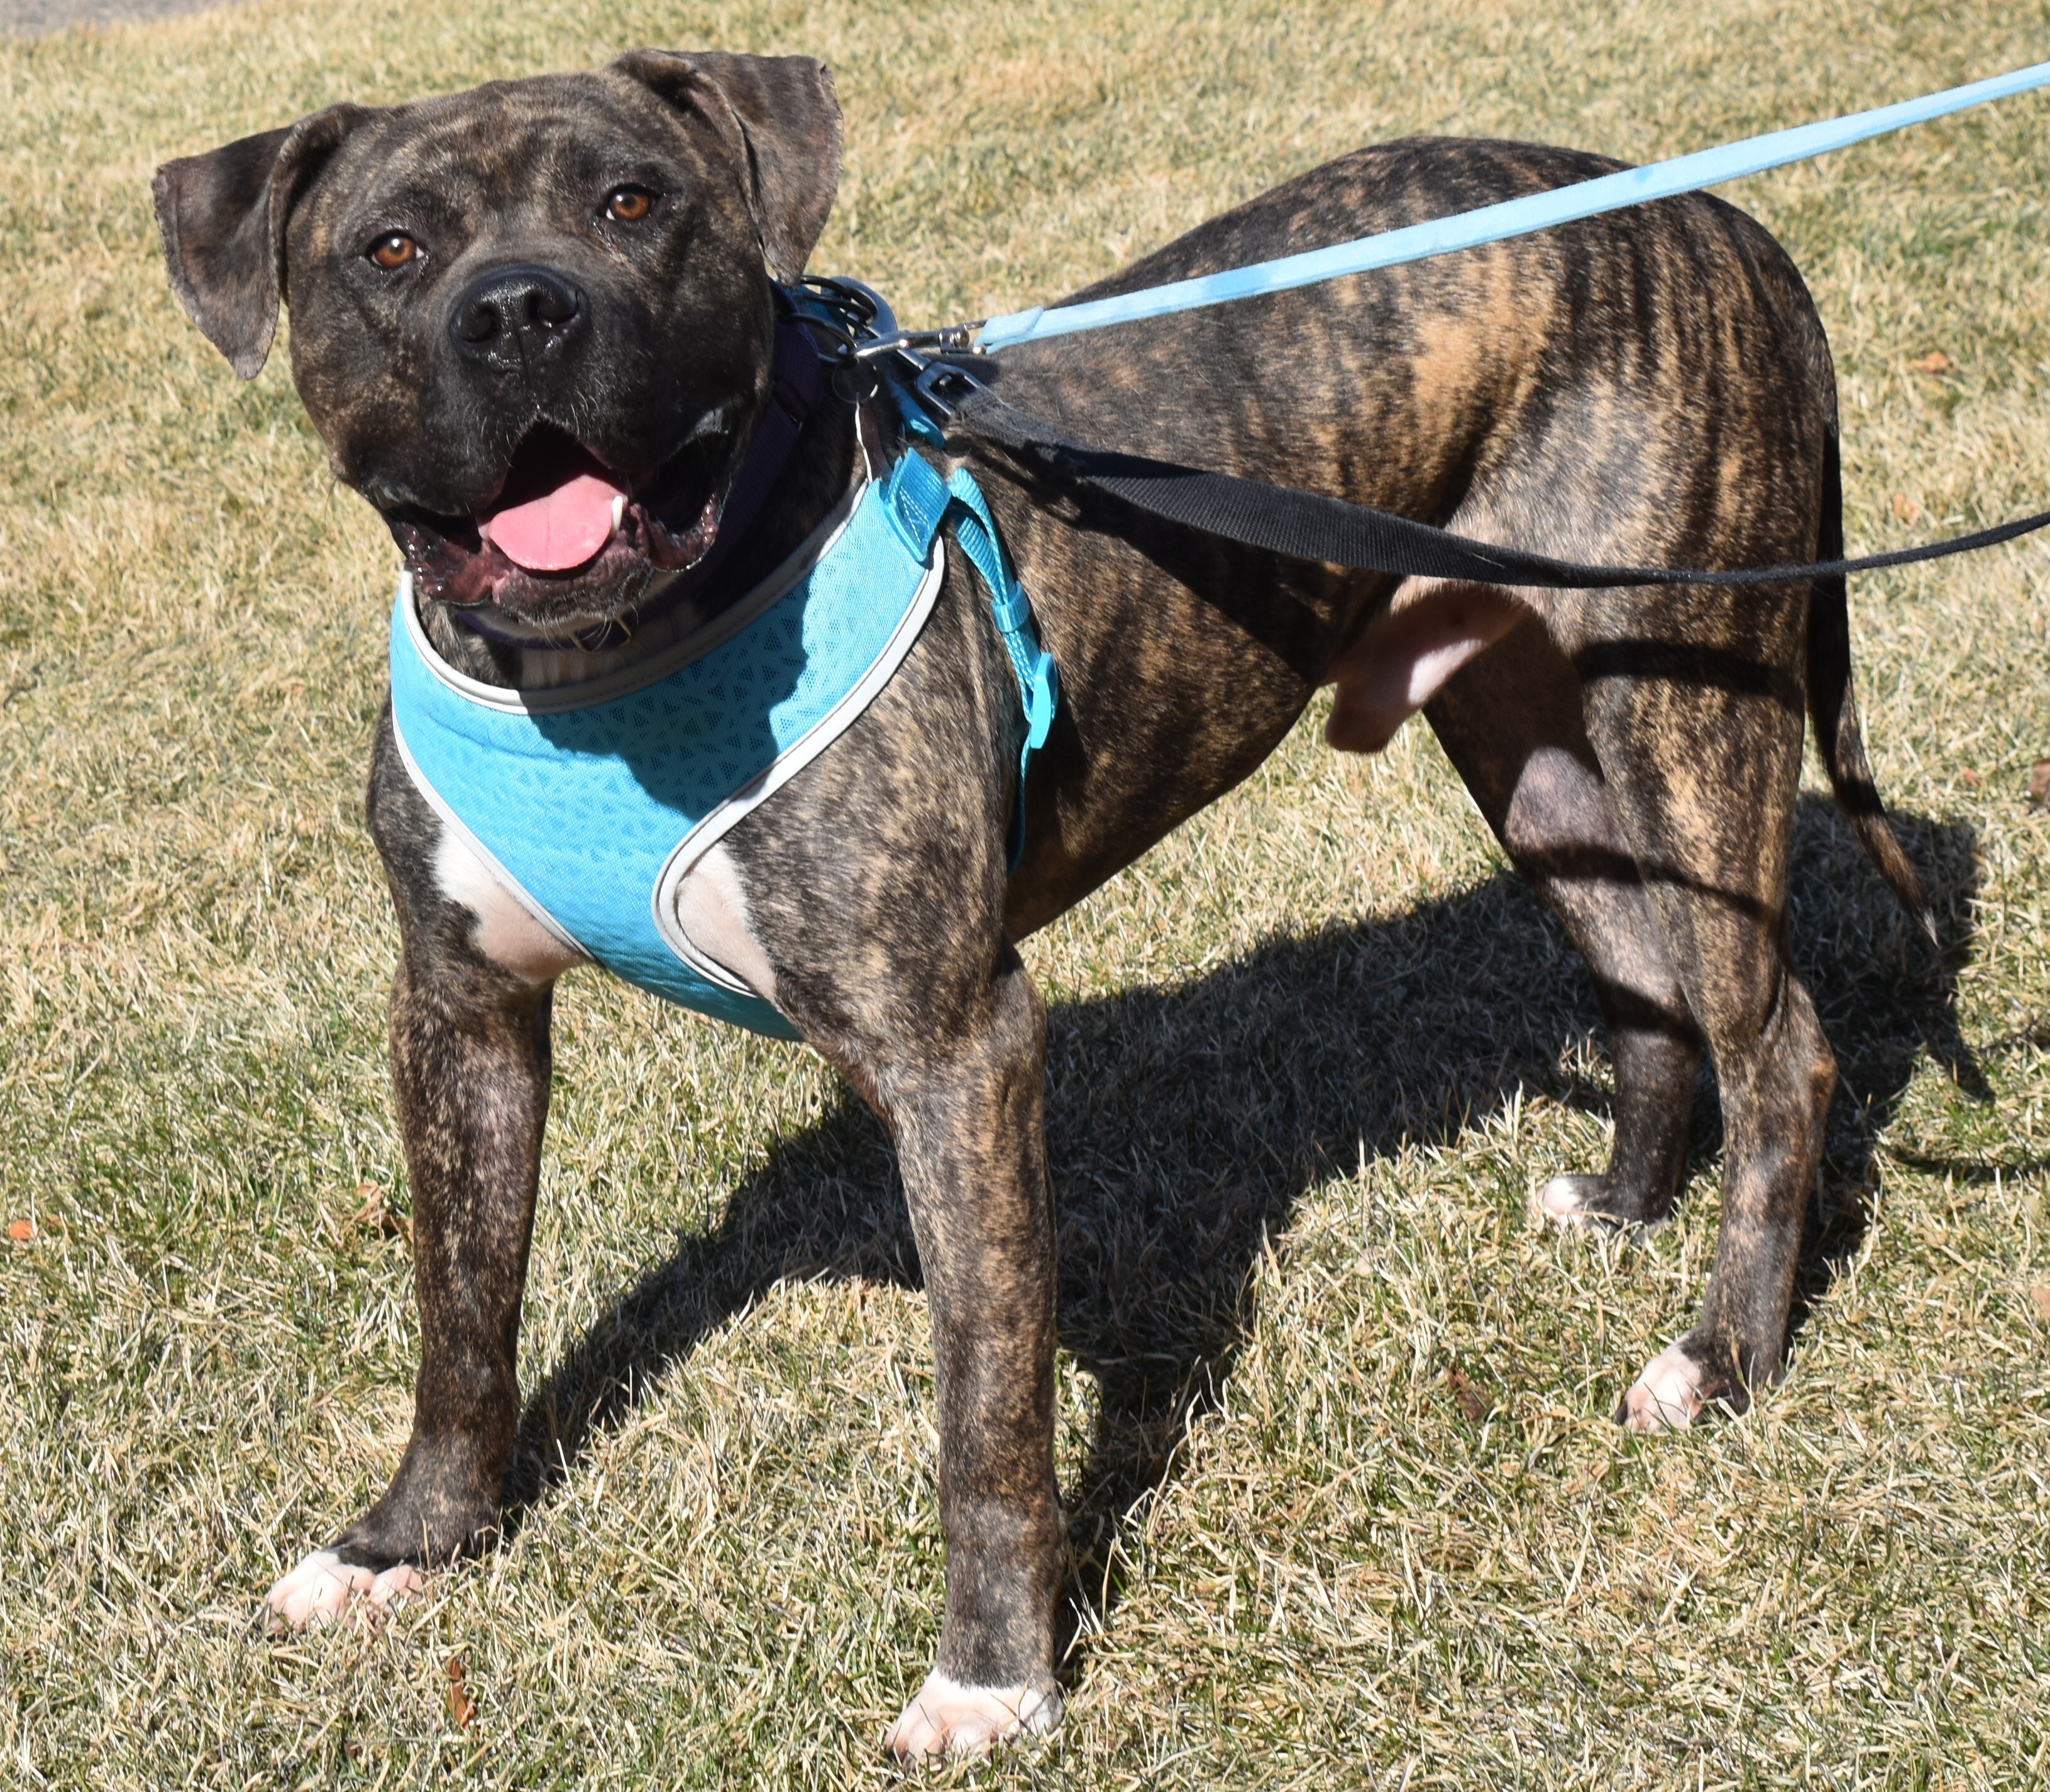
{"x":223,"y":217}
{"x":780,"y":117}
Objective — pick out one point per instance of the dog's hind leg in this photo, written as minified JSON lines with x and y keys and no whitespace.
{"x":1695,"y":713}
{"x":1510,"y":722}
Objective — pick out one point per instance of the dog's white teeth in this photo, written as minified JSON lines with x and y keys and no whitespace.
{"x":619,"y":511}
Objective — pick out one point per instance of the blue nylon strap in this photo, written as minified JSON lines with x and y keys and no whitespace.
{"x":918,"y":500}
{"x":920,"y":505}
{"x":1512,"y":217}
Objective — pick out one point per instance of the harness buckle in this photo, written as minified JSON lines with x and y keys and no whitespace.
{"x":943,"y":388}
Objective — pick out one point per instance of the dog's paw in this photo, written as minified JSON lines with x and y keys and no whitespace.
{"x":1593,"y":1203}
{"x":1575,"y":1200}
{"x":323,"y":1589}
{"x":1667,"y":1396}
{"x":948,"y":1718}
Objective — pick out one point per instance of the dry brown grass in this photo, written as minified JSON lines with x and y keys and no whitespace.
{"x":1347,"y":1507}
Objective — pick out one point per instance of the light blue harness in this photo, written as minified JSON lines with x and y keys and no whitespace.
{"x":592,"y":802}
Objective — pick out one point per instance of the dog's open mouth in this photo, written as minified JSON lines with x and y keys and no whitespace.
{"x":567,"y":541}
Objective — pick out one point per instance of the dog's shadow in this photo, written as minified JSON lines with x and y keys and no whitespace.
{"x":1185,"y":1122}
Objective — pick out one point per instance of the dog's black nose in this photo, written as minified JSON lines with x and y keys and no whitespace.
{"x":508,"y":317}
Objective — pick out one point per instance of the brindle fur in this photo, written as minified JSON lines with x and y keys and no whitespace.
{"x":1649,"y":387}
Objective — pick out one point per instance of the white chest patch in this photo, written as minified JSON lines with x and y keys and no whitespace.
{"x":711,"y":914}
{"x":505,"y":929}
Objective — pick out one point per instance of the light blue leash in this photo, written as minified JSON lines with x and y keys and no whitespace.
{"x":1487,"y":224}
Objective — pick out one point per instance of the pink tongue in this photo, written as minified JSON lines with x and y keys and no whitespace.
{"x":559,"y":529}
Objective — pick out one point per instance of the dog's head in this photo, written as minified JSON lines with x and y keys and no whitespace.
{"x":533,"y":322}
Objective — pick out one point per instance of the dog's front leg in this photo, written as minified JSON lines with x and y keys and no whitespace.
{"x":469,"y":1069}
{"x":968,"y":1120}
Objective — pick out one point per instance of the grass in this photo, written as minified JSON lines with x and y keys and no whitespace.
{"x":1347,"y":1510}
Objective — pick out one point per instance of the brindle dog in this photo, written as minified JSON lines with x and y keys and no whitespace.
{"x":580,"y":265}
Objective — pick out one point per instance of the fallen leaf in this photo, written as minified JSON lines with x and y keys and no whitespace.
{"x":462,"y":1708}
{"x":2040,"y":1294}
{"x":1906,"y":509}
{"x":22,"y":1231}
{"x":2039,"y":784}
{"x":375,"y":1217}
{"x":1472,"y":1402}
{"x":1936,"y":361}
{"x":1969,"y":777}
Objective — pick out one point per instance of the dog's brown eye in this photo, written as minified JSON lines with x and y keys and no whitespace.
{"x":628,"y":205}
{"x":394,"y":251}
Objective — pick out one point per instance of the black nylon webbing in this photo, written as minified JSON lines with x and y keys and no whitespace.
{"x":1305,"y":526}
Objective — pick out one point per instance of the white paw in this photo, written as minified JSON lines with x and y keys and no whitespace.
{"x":323,"y":1589}
{"x":1564,"y":1199}
{"x":947,"y":1718}
{"x":1667,"y":1396}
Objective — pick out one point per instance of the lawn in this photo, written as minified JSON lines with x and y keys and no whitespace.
{"x":1346,"y":1506}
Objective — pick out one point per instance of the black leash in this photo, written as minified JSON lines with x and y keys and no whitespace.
{"x":1304,"y":526}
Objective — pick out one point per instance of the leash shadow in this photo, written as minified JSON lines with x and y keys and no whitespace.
{"x":1185,"y":1122}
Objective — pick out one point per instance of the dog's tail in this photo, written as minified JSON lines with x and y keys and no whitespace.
{"x":1833,"y":707}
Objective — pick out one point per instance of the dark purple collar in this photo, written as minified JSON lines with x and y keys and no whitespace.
{"x":800,"y":385}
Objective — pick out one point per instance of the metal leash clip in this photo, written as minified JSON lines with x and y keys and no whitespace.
{"x":954,"y":338}
{"x":868,"y":351}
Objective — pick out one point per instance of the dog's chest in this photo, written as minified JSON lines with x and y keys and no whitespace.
{"x":592,"y":804}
